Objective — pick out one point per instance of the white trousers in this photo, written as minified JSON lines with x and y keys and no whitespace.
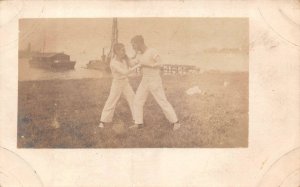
{"x":154,"y":86}
{"x":118,"y":88}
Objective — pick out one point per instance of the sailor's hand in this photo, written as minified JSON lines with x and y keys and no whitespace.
{"x":133,"y":62}
{"x":134,"y":67}
{"x":126,"y":58}
{"x":150,"y":66}
{"x":146,"y":65}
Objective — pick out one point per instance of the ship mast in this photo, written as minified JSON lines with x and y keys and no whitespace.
{"x":44,"y":42}
{"x":116,"y":30}
{"x":114,"y":38}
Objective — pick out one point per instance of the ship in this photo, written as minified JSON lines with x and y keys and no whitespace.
{"x":52,"y":61}
{"x":103,"y":63}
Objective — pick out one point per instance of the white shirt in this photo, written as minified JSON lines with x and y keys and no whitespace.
{"x":119,"y":69}
{"x":149,"y":57}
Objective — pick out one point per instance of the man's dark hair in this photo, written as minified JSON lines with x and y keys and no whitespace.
{"x":138,"y":39}
{"x":117,"y":47}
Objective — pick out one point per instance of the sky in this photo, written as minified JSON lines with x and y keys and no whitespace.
{"x":178,"y":40}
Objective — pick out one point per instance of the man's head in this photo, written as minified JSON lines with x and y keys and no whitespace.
{"x":119,"y":50}
{"x":137,"y":43}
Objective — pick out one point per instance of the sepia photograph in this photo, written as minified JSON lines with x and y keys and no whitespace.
{"x":176,"y":82}
{"x":149,"y":93}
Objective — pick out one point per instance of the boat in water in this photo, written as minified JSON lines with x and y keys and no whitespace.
{"x":52,"y":61}
{"x":103,"y":63}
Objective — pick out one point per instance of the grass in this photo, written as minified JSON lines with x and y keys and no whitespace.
{"x":218,"y":118}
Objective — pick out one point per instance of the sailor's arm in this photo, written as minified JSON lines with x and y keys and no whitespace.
{"x":131,"y":61}
{"x":156,"y":63}
{"x":123,"y":71}
{"x":119,"y":69}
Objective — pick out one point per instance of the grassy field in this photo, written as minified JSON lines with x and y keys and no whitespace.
{"x":66,"y":113}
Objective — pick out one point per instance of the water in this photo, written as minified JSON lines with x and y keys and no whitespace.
{"x":210,"y":61}
{"x":205,"y":61}
{"x":27,"y":73}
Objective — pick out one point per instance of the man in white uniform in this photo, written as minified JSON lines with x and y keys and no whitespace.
{"x":120,"y":84}
{"x":151,"y":83}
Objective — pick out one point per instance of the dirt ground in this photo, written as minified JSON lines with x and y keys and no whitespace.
{"x":66,"y":113}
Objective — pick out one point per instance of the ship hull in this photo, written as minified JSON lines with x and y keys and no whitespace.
{"x":69,"y":65}
{"x":95,"y":66}
{"x":98,"y":66}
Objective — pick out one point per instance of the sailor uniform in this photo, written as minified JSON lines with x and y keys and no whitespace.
{"x":120,"y":85}
{"x":151,"y":83}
